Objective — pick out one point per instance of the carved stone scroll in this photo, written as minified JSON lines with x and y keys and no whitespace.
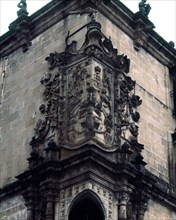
{"x":89,"y":97}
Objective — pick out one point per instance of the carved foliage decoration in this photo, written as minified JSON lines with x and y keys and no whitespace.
{"x":89,"y":97}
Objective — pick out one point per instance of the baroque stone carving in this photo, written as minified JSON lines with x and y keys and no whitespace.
{"x":23,"y":8}
{"x":89,"y":97}
{"x":144,"y":8}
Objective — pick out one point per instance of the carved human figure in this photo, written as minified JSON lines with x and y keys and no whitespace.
{"x":23,"y":8}
{"x":40,"y":128}
{"x":108,"y":123}
{"x":97,"y":75}
{"x":91,"y":96}
{"x":73,"y":126}
{"x":144,"y":8}
{"x":94,"y":121}
{"x":78,"y":77}
{"x":106,"y":84}
{"x":90,"y":120}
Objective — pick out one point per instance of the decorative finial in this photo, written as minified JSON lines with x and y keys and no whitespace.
{"x":144,"y":8}
{"x":23,"y":8}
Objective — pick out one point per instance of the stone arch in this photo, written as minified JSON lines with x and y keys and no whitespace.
{"x":86,"y":203}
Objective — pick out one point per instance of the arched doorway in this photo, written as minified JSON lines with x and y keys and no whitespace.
{"x":86,"y":209}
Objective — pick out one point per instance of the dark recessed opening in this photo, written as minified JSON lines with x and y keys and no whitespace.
{"x":86,"y":209}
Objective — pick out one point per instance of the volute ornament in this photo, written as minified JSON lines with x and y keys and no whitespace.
{"x":89,"y":96}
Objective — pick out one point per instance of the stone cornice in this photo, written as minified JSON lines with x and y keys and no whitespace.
{"x":128,"y":22}
{"x":118,"y":13}
{"x":159,"y":190}
{"x":37,"y":23}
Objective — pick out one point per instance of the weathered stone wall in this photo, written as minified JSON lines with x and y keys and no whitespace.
{"x":13,"y":209}
{"x":156,"y":125}
{"x":21,"y":85}
{"x":153,"y":86}
{"x":157,"y":211}
{"x":22,"y":96}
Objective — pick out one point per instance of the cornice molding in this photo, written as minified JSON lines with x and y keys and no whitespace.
{"x":158,"y":189}
{"x":115,"y":11}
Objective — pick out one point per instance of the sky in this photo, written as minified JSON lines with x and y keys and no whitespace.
{"x":162,"y":14}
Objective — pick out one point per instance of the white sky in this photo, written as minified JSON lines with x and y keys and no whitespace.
{"x":162,"y":14}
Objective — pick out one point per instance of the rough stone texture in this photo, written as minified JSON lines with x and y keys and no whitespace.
{"x":153,"y":86}
{"x":156,"y":211}
{"x":22,"y":95}
{"x":13,"y":209}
